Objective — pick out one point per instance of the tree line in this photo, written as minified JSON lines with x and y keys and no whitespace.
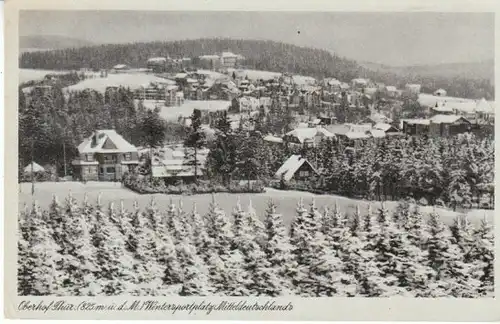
{"x":456,"y":171}
{"x":84,"y":249}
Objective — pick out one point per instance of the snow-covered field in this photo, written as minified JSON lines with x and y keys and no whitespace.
{"x":26,"y":75}
{"x":186,"y":109}
{"x":127,"y":80}
{"x":286,"y":200}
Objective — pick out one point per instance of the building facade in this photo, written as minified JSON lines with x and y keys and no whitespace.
{"x":104,"y":156}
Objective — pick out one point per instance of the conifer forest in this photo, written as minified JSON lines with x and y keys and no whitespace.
{"x":86,"y":249}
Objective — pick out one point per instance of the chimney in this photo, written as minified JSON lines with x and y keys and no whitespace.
{"x":94,"y":137}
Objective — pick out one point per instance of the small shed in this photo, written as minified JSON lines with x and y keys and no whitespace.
{"x":297,"y":168}
{"x":35,"y":166}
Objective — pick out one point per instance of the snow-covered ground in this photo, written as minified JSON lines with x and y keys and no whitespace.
{"x":127,"y":80}
{"x":26,"y":75}
{"x":186,"y":109}
{"x":285,"y":200}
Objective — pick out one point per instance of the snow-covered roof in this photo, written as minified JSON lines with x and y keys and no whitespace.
{"x":383,"y":126}
{"x":109,"y":137}
{"x":274,"y":139}
{"x":212,"y":74}
{"x":377,"y":133}
{"x":416,"y":121}
{"x":181,"y":75}
{"x":120,"y":66}
{"x":334,"y":82}
{"x":379,"y":118}
{"x":157,"y":60}
{"x":209,"y":57}
{"x":338,"y":129}
{"x":288,"y":169}
{"x":443,"y":108}
{"x":391,"y":88}
{"x":446,"y":119}
{"x":440,"y":92}
{"x":36,"y":167}
{"x":229,"y":54}
{"x":360,"y":81}
{"x":306,"y":133}
{"x":356,"y":135}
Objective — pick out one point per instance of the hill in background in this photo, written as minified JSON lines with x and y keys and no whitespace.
{"x":269,"y":56}
{"x":33,"y":43}
{"x":471,"y":70}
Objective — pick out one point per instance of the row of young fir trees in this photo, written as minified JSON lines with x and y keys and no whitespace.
{"x":84,"y":249}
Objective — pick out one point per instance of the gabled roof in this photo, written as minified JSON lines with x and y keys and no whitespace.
{"x":385,"y":127}
{"x":305,"y":133}
{"x":109,"y":137}
{"x":288,"y":169}
{"x":446,"y":119}
{"x":36,"y":167}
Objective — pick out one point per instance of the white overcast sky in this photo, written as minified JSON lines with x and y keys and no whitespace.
{"x":388,"y":38}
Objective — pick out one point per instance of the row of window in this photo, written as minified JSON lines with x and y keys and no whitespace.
{"x":90,"y":170}
{"x":90,"y":157}
{"x":108,"y":170}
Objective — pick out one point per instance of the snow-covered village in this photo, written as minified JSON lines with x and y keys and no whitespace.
{"x":228,"y":166}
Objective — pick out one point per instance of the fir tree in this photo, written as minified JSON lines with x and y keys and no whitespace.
{"x":201,"y":240}
{"x":115,"y":274}
{"x":219,"y":229}
{"x":279,"y":250}
{"x":415,"y":228}
{"x":357,"y":223}
{"x":255,"y":225}
{"x":483,"y":253}
{"x":41,"y":276}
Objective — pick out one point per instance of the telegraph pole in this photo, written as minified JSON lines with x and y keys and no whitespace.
{"x":32,"y":167}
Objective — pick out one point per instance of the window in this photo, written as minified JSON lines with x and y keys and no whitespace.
{"x":127,"y":156}
{"x":110,"y":170}
{"x":89,"y":157}
{"x":304,"y":173}
{"x":101,"y":170}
